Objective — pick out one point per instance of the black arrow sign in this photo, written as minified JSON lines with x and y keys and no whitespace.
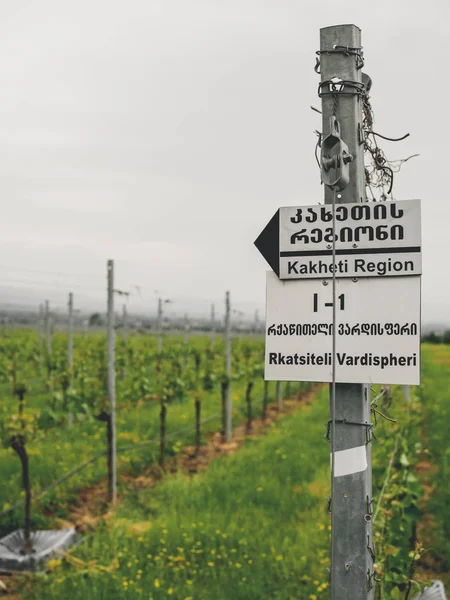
{"x":268,"y":242}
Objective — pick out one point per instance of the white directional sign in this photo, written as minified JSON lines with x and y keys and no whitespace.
{"x":373,"y":239}
{"x":377,"y":330}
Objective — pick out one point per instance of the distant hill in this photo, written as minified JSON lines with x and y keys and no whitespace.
{"x":26,"y":299}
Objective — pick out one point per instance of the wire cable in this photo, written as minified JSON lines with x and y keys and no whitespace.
{"x":94,"y":458}
{"x":384,"y":137}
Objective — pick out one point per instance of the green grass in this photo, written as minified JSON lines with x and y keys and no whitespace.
{"x":436,"y":409}
{"x":254,"y":525}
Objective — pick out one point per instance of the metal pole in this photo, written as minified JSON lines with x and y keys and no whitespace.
{"x":351,"y":536}
{"x":48,"y":332}
{"x":160,"y":322}
{"x":407,"y":393}
{"x":186,"y":329}
{"x":124,"y":322}
{"x":70,"y":351}
{"x":41,"y":326}
{"x":256,"y":325}
{"x":124,"y":334}
{"x":228,"y":406}
{"x":70,"y":333}
{"x":213,"y":326}
{"x":112,"y":381}
{"x":278,"y":395}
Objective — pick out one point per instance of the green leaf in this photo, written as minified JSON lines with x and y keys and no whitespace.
{"x":395,"y":594}
{"x":404,"y":460}
{"x":391,"y":550}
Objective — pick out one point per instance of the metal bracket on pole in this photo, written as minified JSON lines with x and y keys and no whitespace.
{"x":371,"y":549}
{"x":335,"y":158}
{"x":344,"y":421}
{"x":369,"y":511}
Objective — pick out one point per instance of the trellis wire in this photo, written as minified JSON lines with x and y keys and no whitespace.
{"x":101,"y":454}
{"x":94,"y":458}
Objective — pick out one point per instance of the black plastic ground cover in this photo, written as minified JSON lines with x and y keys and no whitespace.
{"x":46,"y":545}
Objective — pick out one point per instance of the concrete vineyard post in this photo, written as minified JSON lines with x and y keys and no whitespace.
{"x":159,"y":325}
{"x":70,"y":349}
{"x":70,"y":333}
{"x":406,"y":393}
{"x":41,"y":327}
{"x":111,"y":386}
{"x":278,"y":395}
{"x":124,"y":322}
{"x":213,"y":327}
{"x":228,"y":405}
{"x":124,"y":336}
{"x":186,"y":330}
{"x":48,"y":331}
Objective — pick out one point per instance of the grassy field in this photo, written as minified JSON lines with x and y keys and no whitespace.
{"x":254,"y":525}
{"x":59,"y":448}
{"x":435,"y":394}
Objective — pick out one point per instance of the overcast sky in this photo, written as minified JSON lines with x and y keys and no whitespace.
{"x":165,"y":133}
